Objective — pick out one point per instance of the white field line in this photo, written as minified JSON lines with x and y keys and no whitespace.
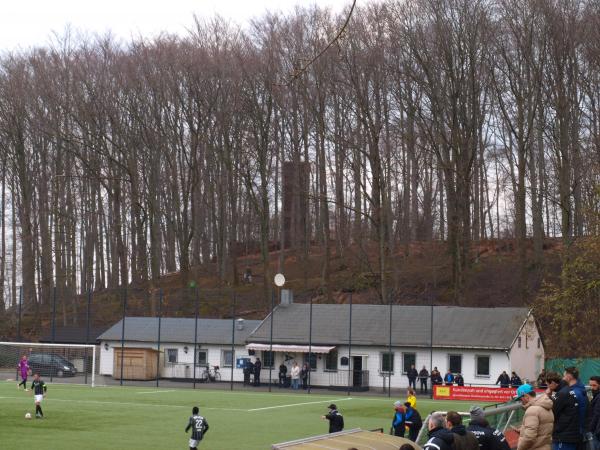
{"x":298,"y":404}
{"x":96,"y":402}
{"x":58,"y":385}
{"x":156,"y":392}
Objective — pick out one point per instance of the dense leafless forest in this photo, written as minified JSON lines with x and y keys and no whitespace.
{"x":448,"y":120}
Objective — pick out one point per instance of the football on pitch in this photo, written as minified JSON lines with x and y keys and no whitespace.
{"x":28,"y":415}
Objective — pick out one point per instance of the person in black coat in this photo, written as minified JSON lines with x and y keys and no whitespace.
{"x":336,"y":420}
{"x":304,"y":376}
{"x":412,"y":375}
{"x":567,"y":430}
{"x":282,"y":374}
{"x":257,"y":369}
{"x":459,"y":380}
{"x":439,"y":437}
{"x":504,"y":380}
{"x":594,"y":412}
{"x":413,"y":421}
{"x":248,"y":370}
{"x":423,"y":375}
{"x":515,"y":380}
{"x":488,"y":437}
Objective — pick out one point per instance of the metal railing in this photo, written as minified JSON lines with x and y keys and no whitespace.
{"x":352,"y":379}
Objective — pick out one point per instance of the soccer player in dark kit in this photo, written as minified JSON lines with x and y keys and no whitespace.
{"x":199,"y":427}
{"x":39,"y":388}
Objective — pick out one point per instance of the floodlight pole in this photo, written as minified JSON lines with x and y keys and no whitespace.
{"x":196,"y":333}
{"x":350,"y":372}
{"x":390,"y":355}
{"x":431,"y":348}
{"x":87,"y":333}
{"x":160,"y":300}
{"x":232,"y":339}
{"x":123,"y":335}
{"x":271,"y":340}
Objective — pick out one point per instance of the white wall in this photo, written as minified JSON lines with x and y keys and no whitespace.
{"x":527,"y":359}
{"x":372,"y":362}
{"x":184,"y":366}
{"x":522,"y":362}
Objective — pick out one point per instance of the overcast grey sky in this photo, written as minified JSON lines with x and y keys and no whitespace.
{"x":26,"y":23}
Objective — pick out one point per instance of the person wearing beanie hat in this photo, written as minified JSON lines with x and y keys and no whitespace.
{"x":336,"y":420}
{"x":488,"y":438}
{"x":413,"y":421}
{"x":399,"y":420}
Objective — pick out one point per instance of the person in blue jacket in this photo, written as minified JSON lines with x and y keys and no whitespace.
{"x":399,"y":421}
{"x":449,"y":378}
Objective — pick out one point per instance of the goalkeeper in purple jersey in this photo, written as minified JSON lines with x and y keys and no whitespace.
{"x":24,"y":371}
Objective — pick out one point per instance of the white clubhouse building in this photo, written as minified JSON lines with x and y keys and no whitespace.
{"x":479,"y":343}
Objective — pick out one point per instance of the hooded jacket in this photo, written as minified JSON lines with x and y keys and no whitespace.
{"x":463,"y":439}
{"x":439,"y":439}
{"x":536,"y":431}
{"x":568,"y":425}
{"x":594,"y":425}
{"x":489,"y":439}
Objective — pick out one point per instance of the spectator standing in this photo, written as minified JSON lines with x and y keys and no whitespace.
{"x":515,"y":380}
{"x":399,"y":420}
{"x":541,"y":380}
{"x":570,"y":406}
{"x":257,"y":369}
{"x":413,"y":420}
{"x":449,"y":378}
{"x":304,"y":375}
{"x":459,"y":380}
{"x":282,"y":375}
{"x":439,"y":437}
{"x":488,"y":437}
{"x":504,"y":380}
{"x":248,"y":370}
{"x":463,"y":439}
{"x":538,"y":421}
{"x":423,"y":376}
{"x":336,"y":420}
{"x":594,"y":423}
{"x":295,"y":375}
{"x":412,"y":375}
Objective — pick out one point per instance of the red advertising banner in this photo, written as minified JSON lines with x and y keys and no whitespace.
{"x":485,"y":394}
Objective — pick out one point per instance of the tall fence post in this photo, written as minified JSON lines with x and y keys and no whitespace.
{"x":53,"y":332}
{"x":271,"y":338}
{"x":123,"y":334}
{"x":310,"y":318}
{"x":431,"y":350}
{"x":350,"y":371}
{"x":232,"y":339}
{"x":391,"y":355}
{"x":197,"y":301}
{"x":20,"y":312}
{"x":87,"y":333}
{"x":19,"y":323}
{"x":160,"y":300}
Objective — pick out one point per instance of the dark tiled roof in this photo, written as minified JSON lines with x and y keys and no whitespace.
{"x":452,"y":326}
{"x":210,"y":331}
{"x":73,"y":335}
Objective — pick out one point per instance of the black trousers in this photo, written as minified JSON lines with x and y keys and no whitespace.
{"x":423,"y":385}
{"x":412,"y":382}
{"x":257,"y":378}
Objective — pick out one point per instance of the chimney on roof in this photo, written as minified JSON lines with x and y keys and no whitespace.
{"x":239,"y":324}
{"x":287,"y":297}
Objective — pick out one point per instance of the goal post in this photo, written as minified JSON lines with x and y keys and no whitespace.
{"x":69,"y":363}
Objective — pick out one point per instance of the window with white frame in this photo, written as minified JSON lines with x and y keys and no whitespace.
{"x":408,"y":360}
{"x":202,"y":357}
{"x":268,"y":359}
{"x":172,"y":355}
{"x":455,"y":363}
{"x":226,"y":358}
{"x":331,"y":361}
{"x":482,"y":366}
{"x":386,"y":362}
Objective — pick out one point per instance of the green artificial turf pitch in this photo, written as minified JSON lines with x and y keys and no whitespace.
{"x":128,"y":418}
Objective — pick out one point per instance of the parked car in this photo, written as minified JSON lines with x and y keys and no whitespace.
{"x":48,"y":364}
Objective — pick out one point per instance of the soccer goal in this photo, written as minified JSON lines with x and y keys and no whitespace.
{"x":71,"y":363}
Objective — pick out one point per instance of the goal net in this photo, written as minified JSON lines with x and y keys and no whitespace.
{"x":67,"y":363}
